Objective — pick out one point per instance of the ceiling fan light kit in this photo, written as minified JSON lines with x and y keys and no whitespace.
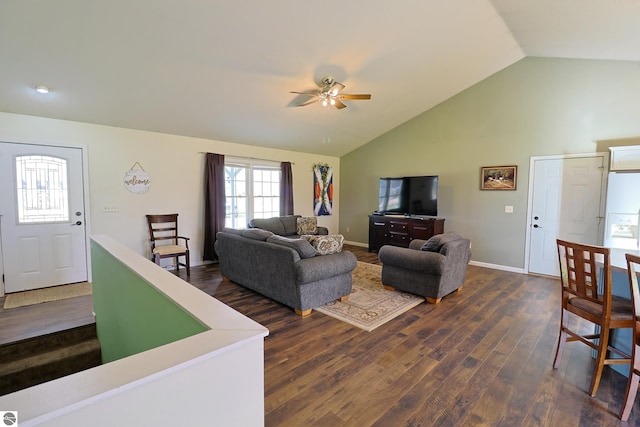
{"x":329,"y":94}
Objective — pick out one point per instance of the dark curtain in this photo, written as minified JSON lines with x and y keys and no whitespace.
{"x":286,"y":189}
{"x":214,"y":207}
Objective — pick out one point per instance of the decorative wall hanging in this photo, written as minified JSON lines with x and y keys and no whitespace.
{"x":498,"y":177}
{"x":322,"y":189}
{"x":137,"y":180}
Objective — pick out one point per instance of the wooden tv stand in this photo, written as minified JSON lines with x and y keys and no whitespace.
{"x":400,"y":230}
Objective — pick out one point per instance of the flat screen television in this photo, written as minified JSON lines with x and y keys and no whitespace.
{"x":409,"y":195}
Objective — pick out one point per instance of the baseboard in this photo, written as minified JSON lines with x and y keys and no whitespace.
{"x":362,"y":245}
{"x":497,"y":267}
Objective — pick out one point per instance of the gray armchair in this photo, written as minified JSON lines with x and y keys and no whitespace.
{"x":433,"y":268}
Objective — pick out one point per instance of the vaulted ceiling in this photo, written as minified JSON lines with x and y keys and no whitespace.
{"x":224,"y":70}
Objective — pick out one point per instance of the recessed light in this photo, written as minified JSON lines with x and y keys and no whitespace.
{"x":41,"y":88}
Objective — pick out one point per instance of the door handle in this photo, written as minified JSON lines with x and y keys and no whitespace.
{"x":536,"y":226}
{"x":77,"y":223}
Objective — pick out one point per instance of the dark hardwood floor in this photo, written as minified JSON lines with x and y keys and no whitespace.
{"x":481,"y":357}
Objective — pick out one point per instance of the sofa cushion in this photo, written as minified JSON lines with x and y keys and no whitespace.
{"x":256,"y":234}
{"x":307,"y":225}
{"x":326,"y":245}
{"x":273,"y":225}
{"x":303,"y":247}
{"x":232,"y":230}
{"x":435,"y":243}
{"x":289,"y":223}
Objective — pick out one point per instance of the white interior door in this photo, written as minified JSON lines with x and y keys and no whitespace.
{"x":42,"y":221}
{"x":566,"y":204}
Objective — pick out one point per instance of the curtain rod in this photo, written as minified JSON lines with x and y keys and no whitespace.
{"x":247,"y":158}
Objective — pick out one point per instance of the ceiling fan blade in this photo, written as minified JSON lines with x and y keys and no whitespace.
{"x":355,"y":96}
{"x":311,"y":101}
{"x":339,"y":104}
{"x":309,"y":93}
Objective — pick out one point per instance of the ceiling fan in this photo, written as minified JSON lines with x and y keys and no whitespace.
{"x":329,"y":94}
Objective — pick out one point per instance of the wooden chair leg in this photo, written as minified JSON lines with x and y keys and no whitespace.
{"x":562,"y":341}
{"x":303,"y":313}
{"x":600,"y":358}
{"x":188,"y":264}
{"x":630,"y":396}
{"x":433,"y":300}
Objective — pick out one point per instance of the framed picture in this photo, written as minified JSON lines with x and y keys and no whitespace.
{"x":498,"y":177}
{"x":322,"y":189}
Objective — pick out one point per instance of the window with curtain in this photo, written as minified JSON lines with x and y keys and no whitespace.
{"x":252,"y":191}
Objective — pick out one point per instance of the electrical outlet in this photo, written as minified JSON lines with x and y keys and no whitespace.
{"x":508,"y":209}
{"x":347,"y":229}
{"x":110,"y":208}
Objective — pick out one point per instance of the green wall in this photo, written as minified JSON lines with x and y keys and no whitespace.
{"x":536,"y":107}
{"x":131,"y":315}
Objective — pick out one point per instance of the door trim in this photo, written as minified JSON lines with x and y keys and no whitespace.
{"x":532,"y":160}
{"x":85,"y":190}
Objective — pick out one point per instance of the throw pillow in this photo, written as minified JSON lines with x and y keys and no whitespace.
{"x":304,"y":248}
{"x":435,"y":243}
{"x":307,"y":225}
{"x":256,"y":234}
{"x":289,"y":224}
{"x":326,"y":245}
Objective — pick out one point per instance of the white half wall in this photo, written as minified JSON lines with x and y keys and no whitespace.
{"x":215,"y":377}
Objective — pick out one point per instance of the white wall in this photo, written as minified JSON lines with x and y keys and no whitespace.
{"x":176,"y":167}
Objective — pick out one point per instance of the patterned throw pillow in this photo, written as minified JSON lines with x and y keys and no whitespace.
{"x":326,"y":245}
{"x":307,"y":225}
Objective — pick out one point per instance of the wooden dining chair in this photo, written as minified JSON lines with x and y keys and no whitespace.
{"x":633,"y":269}
{"x":585,"y":274}
{"x":165,"y":240}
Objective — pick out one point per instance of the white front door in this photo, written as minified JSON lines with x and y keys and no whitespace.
{"x":42,"y":220}
{"x":566,"y":204}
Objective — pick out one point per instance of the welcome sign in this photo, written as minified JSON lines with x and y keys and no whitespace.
{"x":137,"y":180}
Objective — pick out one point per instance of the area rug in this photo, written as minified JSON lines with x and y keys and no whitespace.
{"x":370,"y":305}
{"x":37,"y":296}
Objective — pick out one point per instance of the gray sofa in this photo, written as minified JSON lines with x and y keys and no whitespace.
{"x":431,"y":268}
{"x":283,"y":269}
{"x":282,"y":225}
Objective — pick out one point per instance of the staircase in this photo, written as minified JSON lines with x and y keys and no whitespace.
{"x":37,"y":360}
